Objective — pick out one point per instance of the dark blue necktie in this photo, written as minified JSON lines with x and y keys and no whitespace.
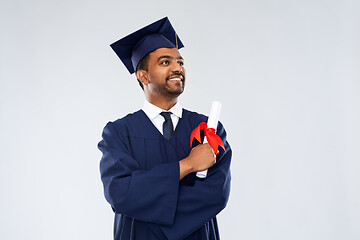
{"x":168,"y":127}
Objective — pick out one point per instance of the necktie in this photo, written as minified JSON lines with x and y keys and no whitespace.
{"x":168,"y":127}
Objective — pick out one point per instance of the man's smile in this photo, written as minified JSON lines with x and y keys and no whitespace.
{"x":177,"y":77}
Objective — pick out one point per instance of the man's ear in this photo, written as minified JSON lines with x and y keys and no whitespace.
{"x":142,"y":76}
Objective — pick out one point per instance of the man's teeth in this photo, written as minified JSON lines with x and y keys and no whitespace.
{"x":175,"y":79}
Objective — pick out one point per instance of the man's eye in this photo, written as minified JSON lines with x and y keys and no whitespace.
{"x":181,"y":63}
{"x":164,"y":62}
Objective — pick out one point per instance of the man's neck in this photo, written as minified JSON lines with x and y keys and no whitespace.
{"x":165,"y":104}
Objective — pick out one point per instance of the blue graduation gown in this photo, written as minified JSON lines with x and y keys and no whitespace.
{"x":140,"y":173}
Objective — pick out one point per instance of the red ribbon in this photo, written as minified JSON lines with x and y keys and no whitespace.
{"x":213,"y":139}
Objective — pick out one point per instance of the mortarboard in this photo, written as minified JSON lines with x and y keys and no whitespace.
{"x":132,"y":48}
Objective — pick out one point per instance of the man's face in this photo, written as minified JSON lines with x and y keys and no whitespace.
{"x":166,"y":73}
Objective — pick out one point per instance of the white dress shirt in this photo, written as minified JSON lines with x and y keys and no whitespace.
{"x":153,"y":113}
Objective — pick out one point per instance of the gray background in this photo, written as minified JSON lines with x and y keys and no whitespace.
{"x":287,"y":73}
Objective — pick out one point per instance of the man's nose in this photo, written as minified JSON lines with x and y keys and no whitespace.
{"x":177,"y":68}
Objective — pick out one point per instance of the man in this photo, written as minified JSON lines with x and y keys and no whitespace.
{"x":148,"y":169}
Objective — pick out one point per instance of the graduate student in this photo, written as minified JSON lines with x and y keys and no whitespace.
{"x":148,"y":168}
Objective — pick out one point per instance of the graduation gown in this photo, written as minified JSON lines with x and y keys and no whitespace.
{"x":140,"y":173}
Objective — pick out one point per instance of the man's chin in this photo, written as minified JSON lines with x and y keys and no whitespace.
{"x":176,"y":92}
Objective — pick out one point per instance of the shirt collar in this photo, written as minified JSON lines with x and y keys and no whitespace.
{"x":152,"y":111}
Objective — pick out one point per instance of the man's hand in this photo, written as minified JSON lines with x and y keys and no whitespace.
{"x":200,"y":158}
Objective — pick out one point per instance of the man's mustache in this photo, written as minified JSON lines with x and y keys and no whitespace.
{"x":176,"y":74}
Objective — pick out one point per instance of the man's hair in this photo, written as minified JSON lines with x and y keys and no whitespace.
{"x":143,"y":65}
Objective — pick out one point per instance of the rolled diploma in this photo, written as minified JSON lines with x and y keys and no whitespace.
{"x":212,"y":123}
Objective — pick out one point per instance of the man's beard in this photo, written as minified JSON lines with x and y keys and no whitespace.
{"x":176,"y":93}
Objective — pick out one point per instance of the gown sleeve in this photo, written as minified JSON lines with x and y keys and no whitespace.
{"x":146,"y":195}
{"x":199,"y":203}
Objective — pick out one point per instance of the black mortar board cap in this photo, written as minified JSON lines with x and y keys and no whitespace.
{"x":132,"y":48}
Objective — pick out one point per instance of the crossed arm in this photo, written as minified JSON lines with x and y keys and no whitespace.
{"x":156,"y":195}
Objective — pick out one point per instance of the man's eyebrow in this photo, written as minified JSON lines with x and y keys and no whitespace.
{"x":169,"y":57}
{"x":165,"y":56}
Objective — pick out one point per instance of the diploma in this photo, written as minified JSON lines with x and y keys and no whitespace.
{"x":212,"y":123}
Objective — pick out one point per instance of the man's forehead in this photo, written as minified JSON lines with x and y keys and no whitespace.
{"x":170,"y":52}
